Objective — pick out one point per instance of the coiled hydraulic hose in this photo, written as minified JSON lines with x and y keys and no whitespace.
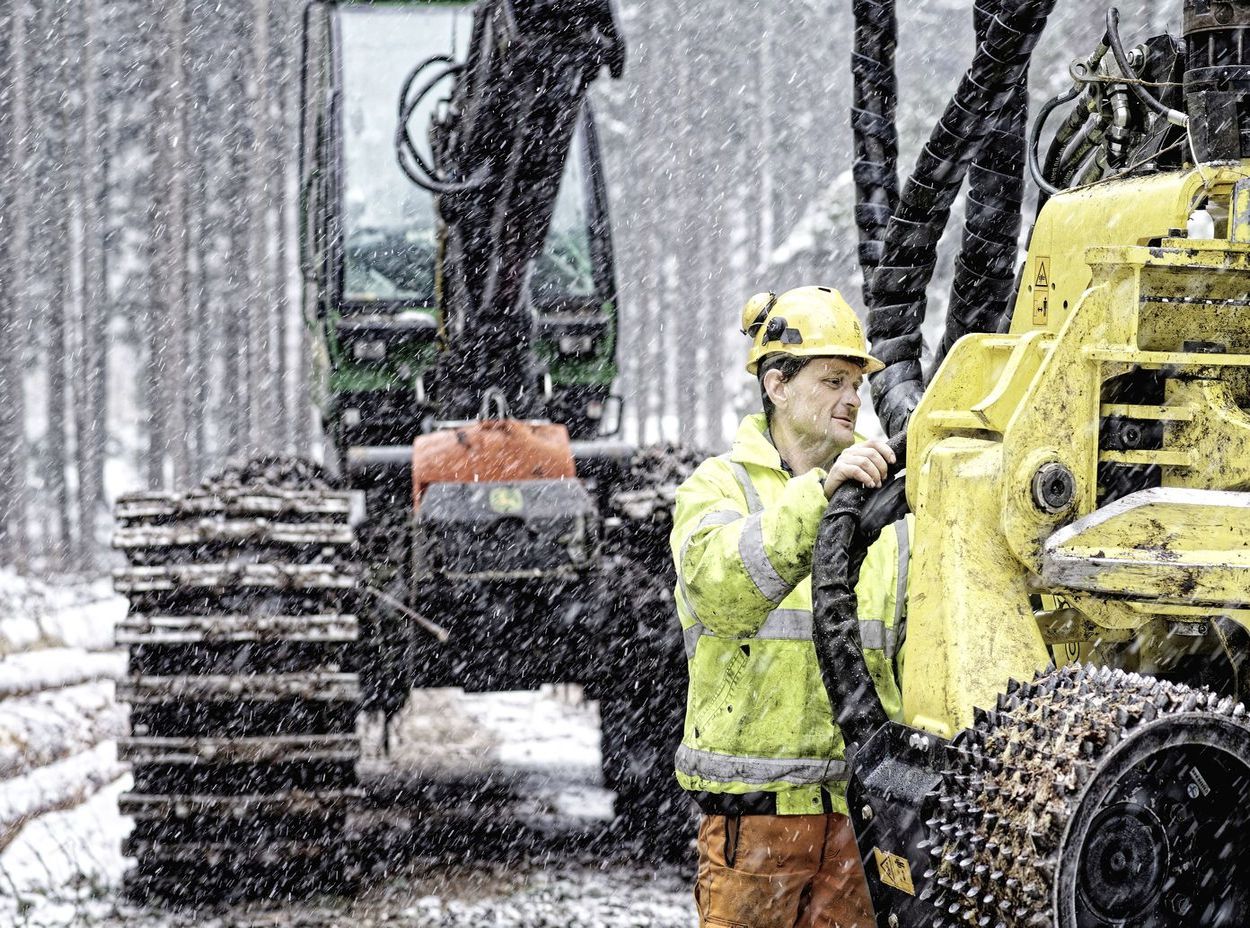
{"x":897,"y":295}
{"x":985,"y":269}
{"x":853,"y":519}
{"x":873,"y":124}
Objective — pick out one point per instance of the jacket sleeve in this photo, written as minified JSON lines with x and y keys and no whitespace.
{"x":733,"y":566}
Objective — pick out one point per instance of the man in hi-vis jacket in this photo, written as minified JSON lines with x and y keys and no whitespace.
{"x":760,"y":751}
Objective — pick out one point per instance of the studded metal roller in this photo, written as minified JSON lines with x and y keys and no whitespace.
{"x":1094,"y":798}
{"x":243,"y":699}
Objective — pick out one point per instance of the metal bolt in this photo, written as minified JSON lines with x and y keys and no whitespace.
{"x":1192,"y":790}
{"x":892,"y":921}
{"x":866,"y":812}
{"x":918,"y":741}
{"x":1054,"y":487}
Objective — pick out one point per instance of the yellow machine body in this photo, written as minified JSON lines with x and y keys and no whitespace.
{"x":1018,"y":562}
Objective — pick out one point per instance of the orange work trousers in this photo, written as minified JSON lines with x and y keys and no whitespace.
{"x":782,"y":871}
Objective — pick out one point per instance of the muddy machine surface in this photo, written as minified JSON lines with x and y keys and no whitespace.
{"x":474,"y":525}
{"x":1073,"y":751}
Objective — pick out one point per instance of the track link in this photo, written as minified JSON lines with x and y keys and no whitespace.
{"x":1090,"y":798}
{"x":242,"y":690}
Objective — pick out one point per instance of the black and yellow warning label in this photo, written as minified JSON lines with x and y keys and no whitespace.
{"x":894,"y":871}
{"x":1041,"y":291}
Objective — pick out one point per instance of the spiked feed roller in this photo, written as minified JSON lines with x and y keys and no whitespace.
{"x":1093,"y":797}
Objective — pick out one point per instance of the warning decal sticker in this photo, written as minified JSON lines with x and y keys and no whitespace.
{"x":894,"y":871}
{"x":1041,"y":291}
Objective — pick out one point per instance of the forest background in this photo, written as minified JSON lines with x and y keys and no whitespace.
{"x":150,"y":323}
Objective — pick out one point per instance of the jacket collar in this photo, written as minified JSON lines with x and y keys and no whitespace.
{"x":753,"y":445}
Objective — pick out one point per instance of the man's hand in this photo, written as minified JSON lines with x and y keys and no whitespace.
{"x":866,"y":462}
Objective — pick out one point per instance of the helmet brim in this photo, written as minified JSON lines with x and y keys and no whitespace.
{"x":871,"y":364}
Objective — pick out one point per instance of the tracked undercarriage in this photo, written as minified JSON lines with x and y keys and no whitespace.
{"x":243,"y":695}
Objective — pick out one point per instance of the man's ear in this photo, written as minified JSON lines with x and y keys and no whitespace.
{"x":775,"y":386}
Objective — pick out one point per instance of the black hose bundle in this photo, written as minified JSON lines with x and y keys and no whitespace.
{"x":872,"y":121}
{"x":897,"y":294}
{"x":985,"y":269}
{"x":853,"y":519}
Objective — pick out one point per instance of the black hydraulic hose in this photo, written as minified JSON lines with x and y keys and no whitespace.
{"x":423,"y":176}
{"x":875,"y":97}
{"x":1175,"y":117}
{"x":1078,"y":118}
{"x":1090,"y":137}
{"x":898,"y":300}
{"x":407,"y":106}
{"x":854,"y":518}
{"x":985,"y":271}
{"x":1040,"y":176}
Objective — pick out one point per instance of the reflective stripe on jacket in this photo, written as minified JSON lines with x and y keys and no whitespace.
{"x":757,"y":714}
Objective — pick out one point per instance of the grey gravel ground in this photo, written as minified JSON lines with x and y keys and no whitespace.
{"x":559,"y":895}
{"x":538,"y":872}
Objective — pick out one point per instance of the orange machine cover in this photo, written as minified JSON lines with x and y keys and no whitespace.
{"x":488,"y":451}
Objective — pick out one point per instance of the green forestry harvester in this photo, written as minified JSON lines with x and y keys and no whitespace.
{"x":474,"y":525}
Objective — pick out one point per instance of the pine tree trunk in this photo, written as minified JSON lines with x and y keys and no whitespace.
{"x":93,"y":405}
{"x":12,"y":135}
{"x":54,"y":224}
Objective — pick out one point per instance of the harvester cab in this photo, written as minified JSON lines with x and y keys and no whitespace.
{"x":1073,"y":751}
{"x":474,"y":268}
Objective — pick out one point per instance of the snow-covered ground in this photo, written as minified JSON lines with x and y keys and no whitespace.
{"x":65,"y":867}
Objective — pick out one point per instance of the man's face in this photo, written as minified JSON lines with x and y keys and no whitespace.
{"x":821,"y":402}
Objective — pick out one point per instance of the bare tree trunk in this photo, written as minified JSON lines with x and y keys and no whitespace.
{"x":13,"y":203}
{"x":240,"y":282}
{"x":93,"y":405}
{"x":201,"y":241}
{"x":767,"y":198}
{"x":256,"y":211}
{"x":168,"y":231}
{"x":279,"y":142}
{"x":55,"y":204}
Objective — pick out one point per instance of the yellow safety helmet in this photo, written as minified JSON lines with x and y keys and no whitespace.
{"x":805,"y":322}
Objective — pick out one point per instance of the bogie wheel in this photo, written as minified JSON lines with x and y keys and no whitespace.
{"x":1094,"y":798}
{"x":243,"y":737}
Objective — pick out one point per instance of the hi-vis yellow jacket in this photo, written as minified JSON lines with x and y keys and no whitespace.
{"x":757,"y":714}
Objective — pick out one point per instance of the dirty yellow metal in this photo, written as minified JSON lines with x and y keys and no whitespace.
{"x":1084,"y":478}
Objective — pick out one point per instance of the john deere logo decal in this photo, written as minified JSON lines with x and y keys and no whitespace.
{"x":506,"y":500}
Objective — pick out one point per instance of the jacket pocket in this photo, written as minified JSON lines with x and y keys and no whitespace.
{"x":729,"y":679}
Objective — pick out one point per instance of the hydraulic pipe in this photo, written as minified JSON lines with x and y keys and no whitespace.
{"x":1175,"y":117}
{"x":1075,"y":122}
